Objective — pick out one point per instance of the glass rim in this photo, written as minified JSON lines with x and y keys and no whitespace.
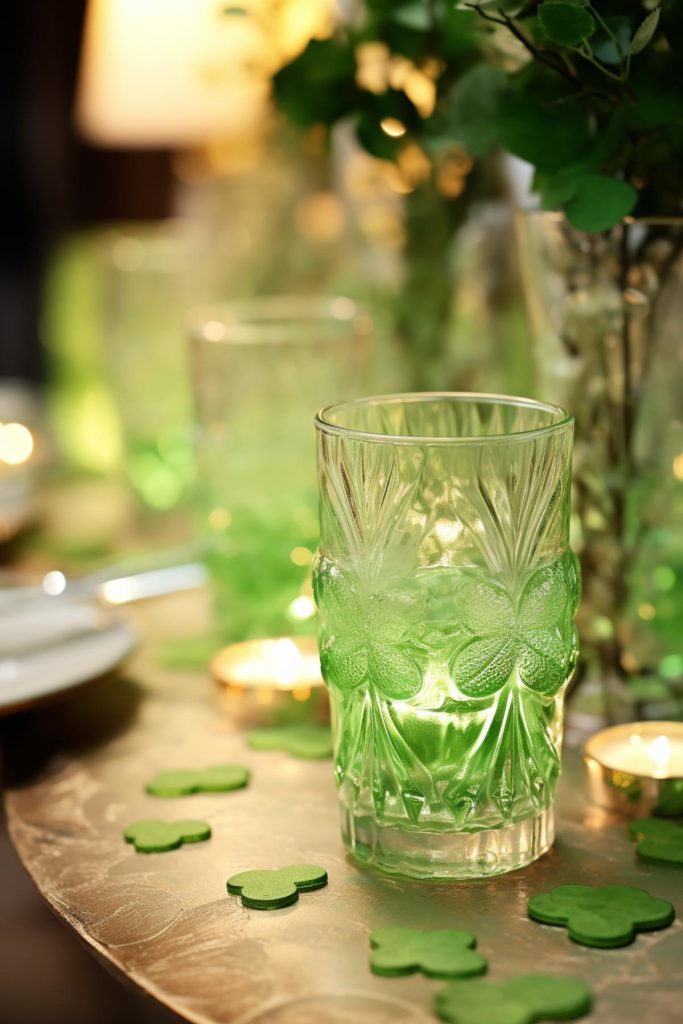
{"x":269,"y":319}
{"x":565,"y":420}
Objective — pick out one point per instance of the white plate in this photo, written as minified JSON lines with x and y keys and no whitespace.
{"x":70,"y":662}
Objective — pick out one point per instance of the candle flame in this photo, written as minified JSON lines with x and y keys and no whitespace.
{"x":285,"y":658}
{"x":659,"y":752}
{"x":282,"y":663}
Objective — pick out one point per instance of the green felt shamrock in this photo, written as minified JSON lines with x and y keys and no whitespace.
{"x":522,"y":1000}
{"x":532,"y":634}
{"x":270,"y":890}
{"x":603,"y":916}
{"x":438,"y":954}
{"x":658,"y":840}
{"x":219,"y":779}
{"x":308,"y":742}
{"x":151,"y":835}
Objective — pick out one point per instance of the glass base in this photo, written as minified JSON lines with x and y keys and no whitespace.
{"x":448,"y":856}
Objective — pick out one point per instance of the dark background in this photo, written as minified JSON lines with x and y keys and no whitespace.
{"x":53,"y":183}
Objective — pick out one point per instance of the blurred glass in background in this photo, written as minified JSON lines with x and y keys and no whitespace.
{"x":260,"y":371}
{"x":147,"y":287}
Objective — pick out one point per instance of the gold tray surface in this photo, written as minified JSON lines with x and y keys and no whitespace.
{"x":75,"y":775}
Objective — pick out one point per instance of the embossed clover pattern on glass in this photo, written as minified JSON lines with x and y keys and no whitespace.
{"x":447,"y":594}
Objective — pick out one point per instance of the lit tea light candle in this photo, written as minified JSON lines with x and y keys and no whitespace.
{"x":630,"y":767}
{"x":268,"y":672}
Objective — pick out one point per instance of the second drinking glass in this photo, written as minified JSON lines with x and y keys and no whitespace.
{"x":259,"y":367}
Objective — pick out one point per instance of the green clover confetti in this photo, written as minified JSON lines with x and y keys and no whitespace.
{"x":603,"y":916}
{"x":152,"y":835}
{"x":219,"y":779}
{"x":658,"y":840}
{"x":273,"y":889}
{"x":308,"y":742}
{"x":522,"y":1000}
{"x":438,"y":954}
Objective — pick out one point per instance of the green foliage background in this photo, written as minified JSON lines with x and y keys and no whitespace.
{"x":590,"y":94}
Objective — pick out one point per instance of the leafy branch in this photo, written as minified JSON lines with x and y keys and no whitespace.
{"x":596,"y":107}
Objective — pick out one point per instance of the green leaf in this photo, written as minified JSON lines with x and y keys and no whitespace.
{"x":510,"y":7}
{"x":566,"y":24}
{"x":474,"y":109}
{"x":547,"y":133}
{"x":458,"y":35}
{"x":645,"y":31}
{"x":558,"y":188}
{"x":605,"y":47}
{"x":600,"y":202}
{"x":319,"y":85}
{"x":416,"y":15}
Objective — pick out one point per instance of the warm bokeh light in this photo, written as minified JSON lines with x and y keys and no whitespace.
{"x":372,"y":63}
{"x":16,"y":443}
{"x":175,"y":74}
{"x":282,"y":663}
{"x":414,"y":164}
{"x":219,"y":519}
{"x":54,"y":583}
{"x":301,"y":608}
{"x":659,"y":752}
{"x":301,"y":556}
{"x":451,"y":176}
{"x":392,"y":127}
{"x":320,"y":217}
{"x":378,"y":70}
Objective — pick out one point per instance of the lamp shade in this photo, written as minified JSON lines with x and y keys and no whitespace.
{"x":171,"y":73}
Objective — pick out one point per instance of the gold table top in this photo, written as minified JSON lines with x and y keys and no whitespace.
{"x":75,"y":774}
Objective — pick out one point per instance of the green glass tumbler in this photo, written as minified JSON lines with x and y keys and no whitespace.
{"x":446,"y":592}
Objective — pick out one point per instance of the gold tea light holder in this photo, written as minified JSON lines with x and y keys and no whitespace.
{"x":636,"y":768}
{"x":271,"y":678}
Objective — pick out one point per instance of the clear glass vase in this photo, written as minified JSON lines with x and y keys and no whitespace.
{"x":606,"y":313}
{"x":259,"y":368}
{"x":446,"y":592}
